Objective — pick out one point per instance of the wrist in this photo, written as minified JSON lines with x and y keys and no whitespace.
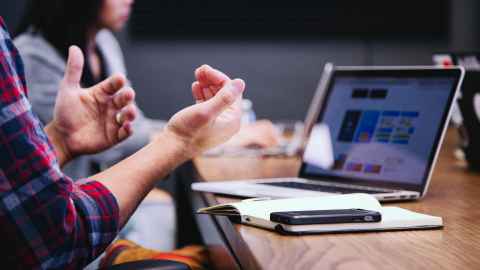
{"x":181,"y":146}
{"x":58,"y":141}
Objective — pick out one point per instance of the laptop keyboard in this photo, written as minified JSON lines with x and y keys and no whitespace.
{"x":321,"y":188}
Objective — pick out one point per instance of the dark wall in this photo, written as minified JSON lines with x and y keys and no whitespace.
{"x":465,"y":28}
{"x":281,"y":74}
{"x":11,"y":11}
{"x":270,"y":18}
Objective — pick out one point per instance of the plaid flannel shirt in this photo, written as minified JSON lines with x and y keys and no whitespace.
{"x":46,"y":220}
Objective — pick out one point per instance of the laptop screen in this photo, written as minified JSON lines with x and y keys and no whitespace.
{"x":384,"y":129}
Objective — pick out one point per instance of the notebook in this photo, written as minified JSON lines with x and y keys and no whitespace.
{"x":256,"y":212}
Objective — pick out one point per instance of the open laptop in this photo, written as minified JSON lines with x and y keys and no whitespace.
{"x":386,"y":126}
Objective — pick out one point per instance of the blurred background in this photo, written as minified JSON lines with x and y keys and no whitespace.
{"x":279,"y":47}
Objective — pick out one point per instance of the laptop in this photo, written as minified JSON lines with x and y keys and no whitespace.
{"x":466,"y":112}
{"x":386,"y":126}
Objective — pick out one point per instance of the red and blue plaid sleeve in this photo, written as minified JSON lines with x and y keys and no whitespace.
{"x":46,"y":220}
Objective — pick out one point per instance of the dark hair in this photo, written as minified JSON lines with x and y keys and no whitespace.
{"x":62,"y":22}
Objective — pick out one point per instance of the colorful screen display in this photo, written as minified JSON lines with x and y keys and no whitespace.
{"x":384,"y":129}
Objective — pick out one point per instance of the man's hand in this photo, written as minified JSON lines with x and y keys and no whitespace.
{"x":260,"y":134}
{"x":216,"y":116}
{"x":89,"y":120}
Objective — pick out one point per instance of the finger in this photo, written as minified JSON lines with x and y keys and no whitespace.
{"x":226,"y":97}
{"x":125,"y":131}
{"x":110,"y":85}
{"x":215,"y":89}
{"x":207,"y":93}
{"x":197,"y":92}
{"x":123,"y":98}
{"x":127,"y":114}
{"x":74,"y":68}
{"x":207,"y":76}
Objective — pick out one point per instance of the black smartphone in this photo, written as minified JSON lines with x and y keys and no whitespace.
{"x":325,"y":216}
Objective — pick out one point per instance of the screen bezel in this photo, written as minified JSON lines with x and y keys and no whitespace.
{"x":425,"y":72}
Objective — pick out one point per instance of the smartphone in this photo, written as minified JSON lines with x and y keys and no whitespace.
{"x":325,"y":216}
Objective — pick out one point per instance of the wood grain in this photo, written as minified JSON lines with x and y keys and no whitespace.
{"x":454,"y":194}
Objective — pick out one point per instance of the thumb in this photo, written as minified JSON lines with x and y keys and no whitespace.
{"x":74,"y":69}
{"x":225,"y":97}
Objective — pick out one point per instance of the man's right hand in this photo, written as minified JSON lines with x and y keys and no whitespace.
{"x":216,"y":116}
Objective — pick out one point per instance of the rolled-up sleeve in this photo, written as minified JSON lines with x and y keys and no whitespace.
{"x":95,"y":204}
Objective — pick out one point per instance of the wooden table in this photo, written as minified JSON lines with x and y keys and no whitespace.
{"x":454,"y":194}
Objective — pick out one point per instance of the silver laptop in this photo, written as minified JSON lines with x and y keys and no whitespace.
{"x":386,"y":126}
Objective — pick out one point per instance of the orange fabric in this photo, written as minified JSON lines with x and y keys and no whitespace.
{"x":123,"y":251}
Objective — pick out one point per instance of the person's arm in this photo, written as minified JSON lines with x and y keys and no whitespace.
{"x":133,"y":178}
{"x":212,"y":121}
{"x":60,"y":224}
{"x":47,"y":221}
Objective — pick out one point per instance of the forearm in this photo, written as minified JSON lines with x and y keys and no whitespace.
{"x":61,"y":150}
{"x":113,"y":155}
{"x":131,"y":179}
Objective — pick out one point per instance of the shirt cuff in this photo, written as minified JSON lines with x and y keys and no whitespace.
{"x":99,"y":207}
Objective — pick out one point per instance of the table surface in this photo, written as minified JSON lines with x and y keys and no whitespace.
{"x":454,"y":194}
